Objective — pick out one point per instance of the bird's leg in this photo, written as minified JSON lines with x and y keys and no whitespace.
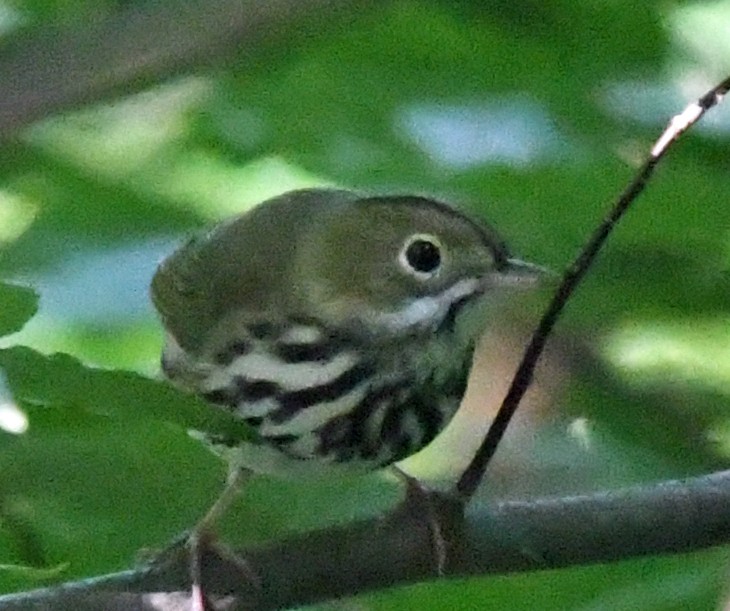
{"x":235,"y":480}
{"x":202,"y":537}
{"x":420,"y":494}
{"x":194,"y":544}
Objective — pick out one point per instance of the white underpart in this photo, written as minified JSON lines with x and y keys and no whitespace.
{"x":267,"y":459}
{"x":289,"y":376}
{"x":315,"y":415}
{"x":301,"y":335}
{"x":427,"y":310}
{"x":257,"y":409}
{"x":306,"y":445}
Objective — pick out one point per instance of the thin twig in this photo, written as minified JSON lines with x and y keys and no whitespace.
{"x":473,"y":474}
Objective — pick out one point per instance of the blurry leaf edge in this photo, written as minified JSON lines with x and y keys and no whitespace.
{"x":60,"y":380}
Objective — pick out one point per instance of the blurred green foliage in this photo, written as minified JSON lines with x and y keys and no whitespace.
{"x":532,"y":114}
{"x":18,"y":306}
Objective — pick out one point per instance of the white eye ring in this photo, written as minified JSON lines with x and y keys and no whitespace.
{"x":422,"y":256}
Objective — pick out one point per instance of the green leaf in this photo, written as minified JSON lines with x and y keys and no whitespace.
{"x":18,"y":575}
{"x":18,"y":304}
{"x":31,"y":572}
{"x":59,"y":380}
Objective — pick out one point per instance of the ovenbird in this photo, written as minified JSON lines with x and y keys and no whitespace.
{"x":340,"y":327}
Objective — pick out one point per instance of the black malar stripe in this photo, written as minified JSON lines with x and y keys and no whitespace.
{"x":448,"y":323}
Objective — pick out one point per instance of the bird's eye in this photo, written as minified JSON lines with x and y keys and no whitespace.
{"x":421,"y":255}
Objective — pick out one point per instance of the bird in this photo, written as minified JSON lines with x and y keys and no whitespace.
{"x":340,"y":326}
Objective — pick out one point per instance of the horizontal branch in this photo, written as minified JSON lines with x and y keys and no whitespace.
{"x":665,"y":518}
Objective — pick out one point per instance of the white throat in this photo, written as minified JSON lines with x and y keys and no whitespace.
{"x":427,"y":311}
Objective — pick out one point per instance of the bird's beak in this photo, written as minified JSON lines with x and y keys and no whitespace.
{"x":521,"y":274}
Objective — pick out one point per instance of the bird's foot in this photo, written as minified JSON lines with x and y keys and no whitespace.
{"x":202,"y":544}
{"x":201,"y":547}
{"x":421,"y":497}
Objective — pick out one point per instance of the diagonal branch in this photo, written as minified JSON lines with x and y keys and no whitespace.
{"x":669,"y":517}
{"x":473,"y":474}
{"x":54,"y":69}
